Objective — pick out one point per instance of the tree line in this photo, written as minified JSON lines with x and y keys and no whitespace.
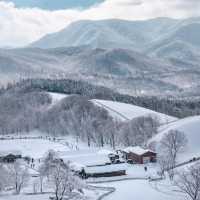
{"x":25,"y":111}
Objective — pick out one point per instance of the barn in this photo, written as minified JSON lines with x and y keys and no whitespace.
{"x":139,"y":155}
{"x":104,"y":171}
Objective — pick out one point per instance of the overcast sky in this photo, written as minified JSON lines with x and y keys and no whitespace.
{"x":24,"y":21}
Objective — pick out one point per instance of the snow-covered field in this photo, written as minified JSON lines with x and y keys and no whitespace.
{"x":123,"y":111}
{"x":25,"y":197}
{"x":35,"y":148}
{"x":127,"y":189}
{"x":85,"y":156}
{"x":190,"y":126}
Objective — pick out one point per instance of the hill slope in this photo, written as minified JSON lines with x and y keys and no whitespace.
{"x":190,"y":126}
{"x":123,"y":111}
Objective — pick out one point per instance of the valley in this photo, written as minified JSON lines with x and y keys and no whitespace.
{"x":99,"y":100}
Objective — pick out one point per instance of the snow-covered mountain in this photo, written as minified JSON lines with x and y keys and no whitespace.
{"x":175,"y":42}
{"x":134,"y":57}
{"x":168,"y":38}
{"x":137,"y":35}
{"x":112,"y":33}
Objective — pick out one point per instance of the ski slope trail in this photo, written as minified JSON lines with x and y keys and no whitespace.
{"x":126,"y":112}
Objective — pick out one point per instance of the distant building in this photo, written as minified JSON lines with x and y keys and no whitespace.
{"x":139,"y":155}
{"x":9,"y":158}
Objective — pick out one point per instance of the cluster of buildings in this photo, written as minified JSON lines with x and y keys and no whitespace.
{"x":117,"y":167}
{"x":133,"y":155}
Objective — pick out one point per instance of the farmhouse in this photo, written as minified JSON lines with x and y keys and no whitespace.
{"x":139,"y":155}
{"x":103,"y":171}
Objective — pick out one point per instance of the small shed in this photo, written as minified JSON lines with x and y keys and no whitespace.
{"x":139,"y":155}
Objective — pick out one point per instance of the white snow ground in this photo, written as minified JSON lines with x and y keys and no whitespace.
{"x":35,"y":148}
{"x":123,"y":111}
{"x":56,"y":97}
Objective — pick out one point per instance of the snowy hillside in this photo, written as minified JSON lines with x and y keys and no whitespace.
{"x":123,"y":111}
{"x":190,"y":126}
{"x":56,"y":97}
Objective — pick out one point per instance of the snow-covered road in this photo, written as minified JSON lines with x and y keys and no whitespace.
{"x":140,"y":190}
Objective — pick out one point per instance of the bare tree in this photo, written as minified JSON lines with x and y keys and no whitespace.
{"x":164,"y":164}
{"x":189,"y":182}
{"x":42,"y":174}
{"x":173,"y":143}
{"x":19,"y":175}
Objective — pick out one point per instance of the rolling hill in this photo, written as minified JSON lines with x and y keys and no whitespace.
{"x":126,"y":68}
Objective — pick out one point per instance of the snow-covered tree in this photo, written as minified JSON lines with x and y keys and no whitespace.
{"x":18,"y":175}
{"x":62,"y":179}
{"x":173,"y":143}
{"x":46,"y":166}
{"x":139,"y":130}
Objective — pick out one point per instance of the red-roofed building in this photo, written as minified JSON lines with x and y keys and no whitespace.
{"x":139,"y":155}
